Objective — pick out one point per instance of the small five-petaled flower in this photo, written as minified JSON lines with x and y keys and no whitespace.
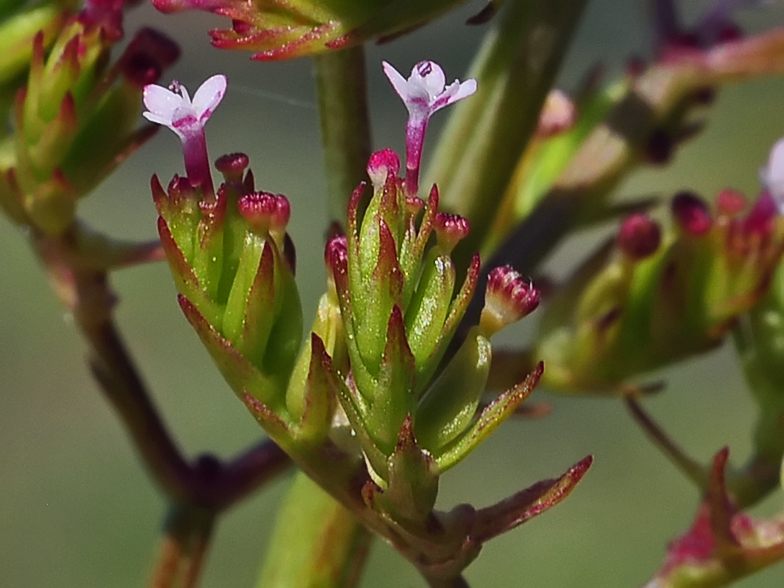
{"x":172,"y":107}
{"x":423,"y":93}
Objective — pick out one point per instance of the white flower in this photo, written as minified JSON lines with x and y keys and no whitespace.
{"x":173,"y":107}
{"x":772,"y":176}
{"x":423,"y":93}
{"x":426,"y":91}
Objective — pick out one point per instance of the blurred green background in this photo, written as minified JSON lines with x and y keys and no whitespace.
{"x":76,"y":508}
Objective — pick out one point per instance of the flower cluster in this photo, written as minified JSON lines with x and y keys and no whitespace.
{"x":76,"y":119}
{"x":655,"y":297}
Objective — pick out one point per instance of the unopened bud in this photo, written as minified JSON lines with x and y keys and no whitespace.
{"x":450,"y":230}
{"x":381,"y":165}
{"x":232,"y":166}
{"x":691,"y":213}
{"x":508,"y":298}
{"x":266,"y":213}
{"x":336,"y":255}
{"x":147,"y":55}
{"x":639,"y":236}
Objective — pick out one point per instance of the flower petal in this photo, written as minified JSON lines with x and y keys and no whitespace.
{"x":772,"y":176}
{"x":399,"y":83}
{"x":429,"y":76}
{"x":208,"y":96}
{"x":161,"y":102}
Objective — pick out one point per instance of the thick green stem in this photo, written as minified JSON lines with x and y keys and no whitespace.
{"x":345,"y":123}
{"x":487,"y":133}
{"x":757,"y":346}
{"x":317,"y":542}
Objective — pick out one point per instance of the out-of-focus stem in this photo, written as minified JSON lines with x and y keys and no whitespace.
{"x":317,"y":542}
{"x":693,"y":470}
{"x":486,"y":134}
{"x":183,"y":548}
{"x":84,"y":288}
{"x":198,"y":491}
{"x":345,"y":123}
{"x":761,"y":474}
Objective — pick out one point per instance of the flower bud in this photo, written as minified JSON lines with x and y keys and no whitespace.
{"x":232,"y":166}
{"x":227,"y":255}
{"x":76,"y":118}
{"x":680,"y":296}
{"x":639,"y":237}
{"x":691,"y":214}
{"x":508,"y":298}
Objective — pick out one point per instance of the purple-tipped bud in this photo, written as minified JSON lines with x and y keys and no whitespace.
{"x":265,"y":211}
{"x":381,"y":165}
{"x":691,"y":213}
{"x":639,"y":236}
{"x":508,"y":298}
{"x":232,"y":166}
{"x":414,"y":204}
{"x":450,"y":229}
{"x":762,"y":215}
{"x":336,"y":257}
{"x":730,"y":203}
{"x":147,"y":55}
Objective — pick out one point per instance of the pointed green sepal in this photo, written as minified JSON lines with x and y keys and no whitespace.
{"x":427,"y":312}
{"x":488,"y":421}
{"x":393,"y":398}
{"x":450,"y":403}
{"x":413,"y":480}
{"x":242,"y":376}
{"x":311,"y":394}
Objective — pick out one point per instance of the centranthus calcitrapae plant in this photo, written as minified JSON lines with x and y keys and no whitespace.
{"x":400,"y":377}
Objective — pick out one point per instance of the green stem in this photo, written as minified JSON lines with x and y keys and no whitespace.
{"x":345,"y":123}
{"x":317,"y":542}
{"x":486,"y":135}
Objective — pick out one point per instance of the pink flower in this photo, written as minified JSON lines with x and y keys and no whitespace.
{"x":772,"y":175}
{"x":172,"y":107}
{"x":423,"y":93}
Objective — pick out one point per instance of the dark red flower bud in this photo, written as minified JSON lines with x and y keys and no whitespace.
{"x":450,"y":229}
{"x":147,"y":55}
{"x":232,"y":166}
{"x":639,"y":236}
{"x":691,"y":213}
{"x":265,"y":211}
